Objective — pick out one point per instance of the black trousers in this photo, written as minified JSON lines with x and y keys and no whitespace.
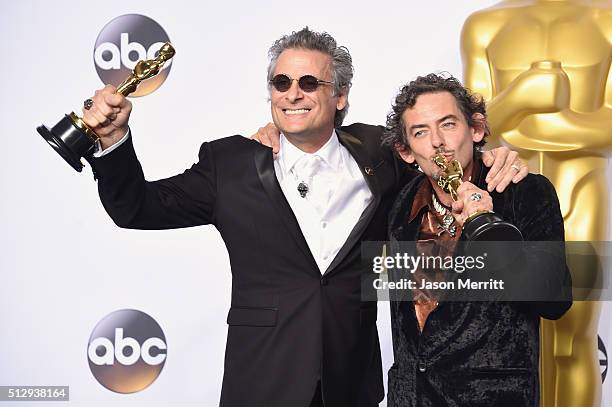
{"x":317,"y":400}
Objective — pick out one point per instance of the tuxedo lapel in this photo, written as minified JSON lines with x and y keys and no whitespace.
{"x":265,"y":170}
{"x":361,"y":156}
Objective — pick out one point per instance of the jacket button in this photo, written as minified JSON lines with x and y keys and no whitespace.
{"x":324,"y":280}
{"x":422,"y":367}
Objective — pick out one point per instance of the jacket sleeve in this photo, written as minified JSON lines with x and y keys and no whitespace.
{"x":184,"y":200}
{"x":538,"y":216}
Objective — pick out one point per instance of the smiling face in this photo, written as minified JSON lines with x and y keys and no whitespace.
{"x":305,"y":117}
{"x":436,"y":124}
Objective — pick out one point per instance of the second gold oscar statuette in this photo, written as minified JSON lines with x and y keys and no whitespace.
{"x":481,"y":225}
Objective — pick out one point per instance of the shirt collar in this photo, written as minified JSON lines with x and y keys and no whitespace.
{"x":329,"y":152}
{"x":421,"y":200}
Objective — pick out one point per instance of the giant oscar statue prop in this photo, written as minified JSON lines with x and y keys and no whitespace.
{"x":550,"y":99}
{"x":480,"y":225}
{"x":73,"y":139}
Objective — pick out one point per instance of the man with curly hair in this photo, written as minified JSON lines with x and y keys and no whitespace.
{"x":451,"y":353}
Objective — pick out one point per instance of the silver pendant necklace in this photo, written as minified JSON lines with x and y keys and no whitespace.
{"x":447,"y":217}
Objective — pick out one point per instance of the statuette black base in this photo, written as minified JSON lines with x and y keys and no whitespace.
{"x":68,"y":141}
{"x":490,"y":227}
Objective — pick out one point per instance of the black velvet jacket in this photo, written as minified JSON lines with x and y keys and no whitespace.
{"x":477,"y":353}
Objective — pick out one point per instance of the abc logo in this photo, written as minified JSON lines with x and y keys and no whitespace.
{"x":127,"y":351}
{"x":123,"y":42}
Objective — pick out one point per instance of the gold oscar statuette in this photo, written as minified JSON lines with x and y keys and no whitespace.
{"x":72,"y":139}
{"x":481,"y":225}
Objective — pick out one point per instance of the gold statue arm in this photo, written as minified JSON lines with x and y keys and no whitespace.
{"x":478,"y":31}
{"x":570,"y":130}
{"x":589,"y":131}
{"x":543,"y":88}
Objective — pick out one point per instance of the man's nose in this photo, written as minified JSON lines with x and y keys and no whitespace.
{"x":437,"y":139}
{"x":294,"y":93}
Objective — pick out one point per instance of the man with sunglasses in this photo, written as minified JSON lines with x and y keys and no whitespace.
{"x":299,"y":334}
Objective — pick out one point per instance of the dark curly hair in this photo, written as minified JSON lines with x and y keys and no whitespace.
{"x":469,"y":103}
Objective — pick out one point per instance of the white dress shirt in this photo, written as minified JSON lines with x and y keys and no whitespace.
{"x":336,"y":198}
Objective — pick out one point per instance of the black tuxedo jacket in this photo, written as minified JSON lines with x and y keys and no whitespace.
{"x":289,"y":326}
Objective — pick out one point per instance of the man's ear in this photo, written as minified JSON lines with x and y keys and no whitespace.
{"x":342,"y":99}
{"x":404,"y":152}
{"x":478,"y":130}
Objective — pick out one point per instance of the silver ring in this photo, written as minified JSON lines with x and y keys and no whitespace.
{"x":516,"y":167}
{"x":87,"y":104}
{"x":476,"y":196}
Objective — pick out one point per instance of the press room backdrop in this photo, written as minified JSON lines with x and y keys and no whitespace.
{"x":64,"y":265}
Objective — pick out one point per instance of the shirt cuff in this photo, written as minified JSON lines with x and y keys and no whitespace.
{"x":98,"y":152}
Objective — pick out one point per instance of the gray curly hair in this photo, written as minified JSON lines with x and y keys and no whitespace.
{"x":342,"y":63}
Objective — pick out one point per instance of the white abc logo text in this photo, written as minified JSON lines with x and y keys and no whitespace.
{"x":116,"y":350}
{"x":121,"y":55}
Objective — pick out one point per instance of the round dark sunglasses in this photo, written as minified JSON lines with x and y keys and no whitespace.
{"x":307,"y":83}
